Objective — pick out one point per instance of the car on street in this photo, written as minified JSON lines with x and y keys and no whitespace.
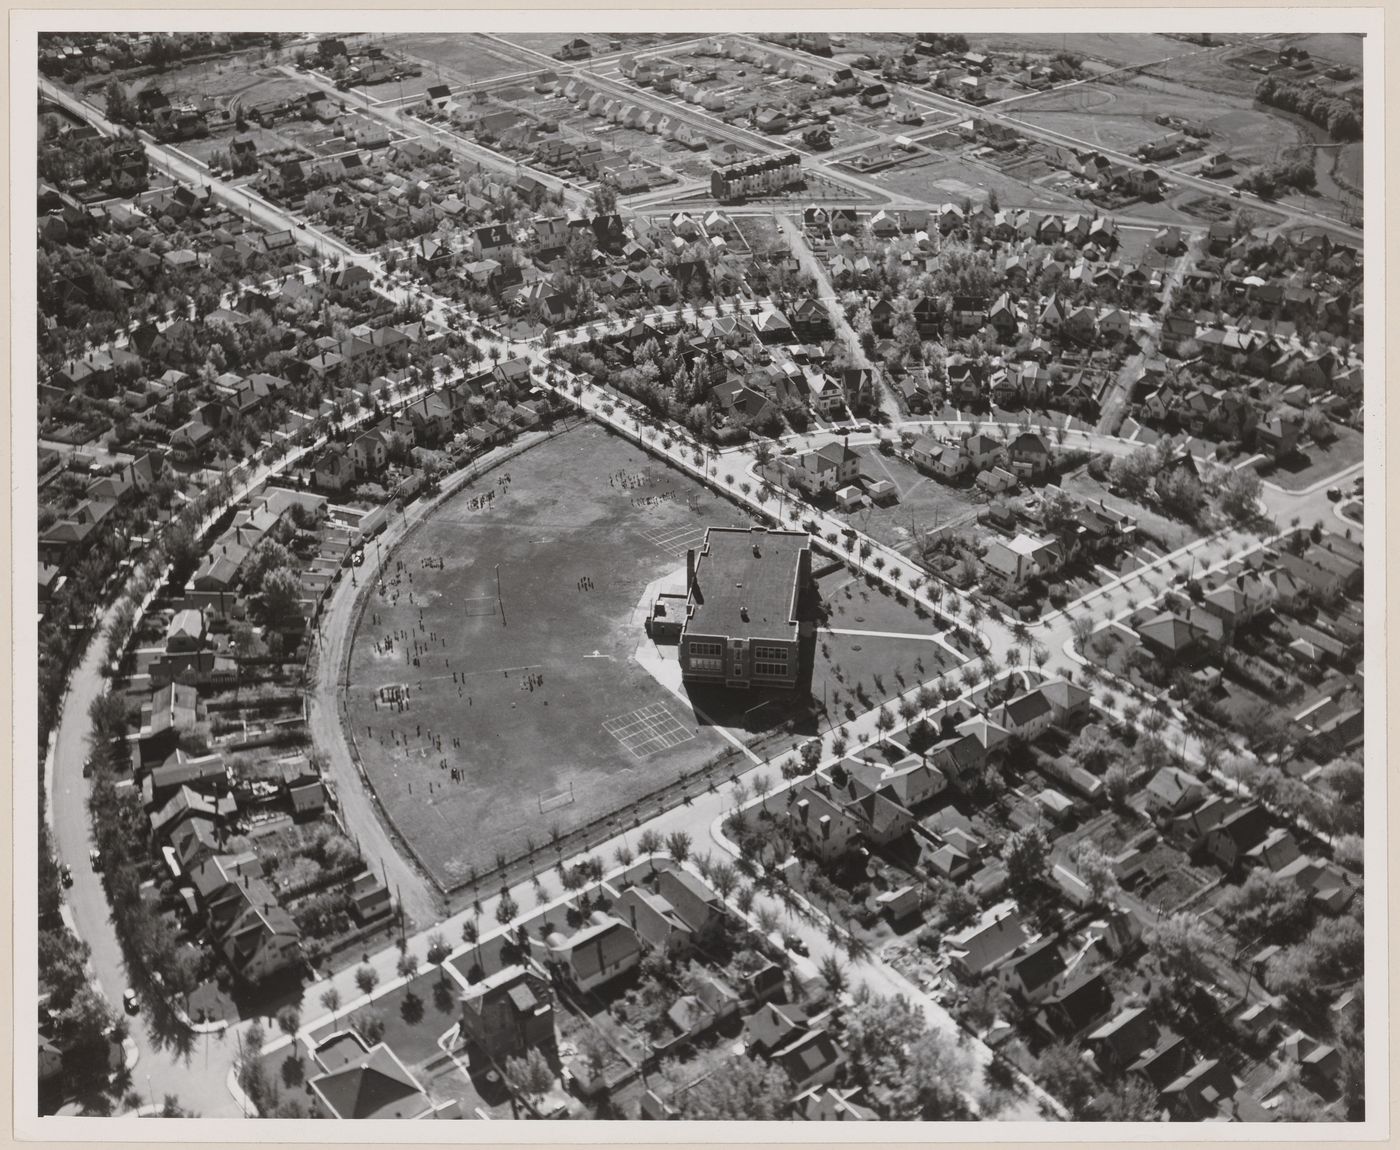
{"x":130,"y":1002}
{"x":95,"y":857}
{"x":795,"y":944}
{"x":65,"y":873}
{"x":87,"y":767}
{"x":1334,"y":493}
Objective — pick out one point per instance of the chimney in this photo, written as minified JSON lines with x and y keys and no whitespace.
{"x":826,"y":826}
{"x":689,"y":570}
{"x":802,"y":809}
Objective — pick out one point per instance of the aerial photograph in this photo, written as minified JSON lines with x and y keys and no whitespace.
{"x":897,"y":498}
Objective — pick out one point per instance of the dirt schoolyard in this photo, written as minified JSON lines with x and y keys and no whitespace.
{"x":481,"y":718}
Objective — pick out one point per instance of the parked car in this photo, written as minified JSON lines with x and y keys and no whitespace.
{"x":65,"y":873}
{"x":1334,"y":493}
{"x":130,"y":1002}
{"x":95,"y":857}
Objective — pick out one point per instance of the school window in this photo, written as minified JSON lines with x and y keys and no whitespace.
{"x":777,"y":670}
{"x":701,"y":664}
{"x":707,"y":648}
{"x":738,"y":668}
{"x":772,"y":654}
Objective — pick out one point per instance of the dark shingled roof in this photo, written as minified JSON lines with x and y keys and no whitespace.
{"x":747,"y":572}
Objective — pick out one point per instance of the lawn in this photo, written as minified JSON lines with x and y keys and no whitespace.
{"x":515,"y":695}
{"x":1314,"y":463}
{"x":414,"y":1015}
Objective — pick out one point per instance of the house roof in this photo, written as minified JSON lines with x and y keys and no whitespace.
{"x":375,"y":1085}
{"x":1172,"y":784}
{"x":596,"y":948}
{"x":1041,"y":963}
{"x":1080,"y":1005}
{"x":1024,"y":709}
{"x":986,"y":942}
{"x":1171,"y":632}
{"x":1064,"y":695}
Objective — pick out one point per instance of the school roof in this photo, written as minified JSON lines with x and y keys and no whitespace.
{"x":747,"y":582}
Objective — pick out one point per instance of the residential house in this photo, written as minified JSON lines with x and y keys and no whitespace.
{"x":509,"y":1013}
{"x":595,"y":954}
{"x":995,"y":935}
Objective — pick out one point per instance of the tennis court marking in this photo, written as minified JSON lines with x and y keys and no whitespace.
{"x":648,"y":730}
{"x":675,"y":540}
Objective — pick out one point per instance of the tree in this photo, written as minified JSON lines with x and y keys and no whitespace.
{"x":330,"y":999}
{"x":1117,"y":786}
{"x":506,"y":909}
{"x":724,"y":878}
{"x":1093,"y":749}
{"x":408,"y":964}
{"x":289,"y":1020}
{"x":737,"y":1089}
{"x":119,"y":108}
{"x":833,"y":973}
{"x":1025,"y":854}
{"x":678,"y":845}
{"x":1265,"y":908}
{"x":1239,"y":496}
{"x":251,"y":1077}
{"x":1134,"y":472}
{"x":985,"y":1003}
{"x":280,"y":600}
{"x":470,"y":931}
{"x":366,"y":978}
{"x":1065,"y":1076}
{"x":1129,"y":1100}
{"x":959,"y":906}
{"x":1181,"y":946}
{"x":648,"y":842}
{"x":878,"y":1024}
{"x":530,"y":1077}
{"x":1093,"y":866}
{"x":438,"y":950}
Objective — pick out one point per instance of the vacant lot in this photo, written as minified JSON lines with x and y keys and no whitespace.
{"x":551,"y":42}
{"x":228,"y":83}
{"x":953,"y":179}
{"x":923,"y":503}
{"x":1121,"y":115}
{"x":1118,"y":49}
{"x":1334,"y":47}
{"x":515,"y":694}
{"x":471,"y":58}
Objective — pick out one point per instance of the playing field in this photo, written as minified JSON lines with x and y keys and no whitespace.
{"x":532,"y":696}
{"x":473,"y":59}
